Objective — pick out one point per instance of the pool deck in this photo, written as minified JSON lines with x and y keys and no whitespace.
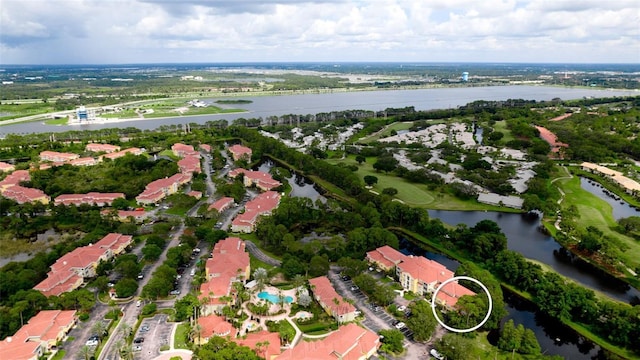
{"x":262,"y":320}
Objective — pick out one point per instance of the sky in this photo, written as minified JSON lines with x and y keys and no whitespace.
{"x":210,"y":31}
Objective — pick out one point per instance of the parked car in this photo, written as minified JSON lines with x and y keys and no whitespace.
{"x":354,"y":288}
{"x":175,"y":292}
{"x":400,"y":325}
{"x":436,"y":354}
{"x":139,"y":340}
{"x":137,"y":348}
{"x":402,"y":308}
{"x":144,"y":328}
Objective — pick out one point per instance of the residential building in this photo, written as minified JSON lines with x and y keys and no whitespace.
{"x":180,"y":149}
{"x":105,"y":148}
{"x":55,"y":156}
{"x":630,"y":186}
{"x":6,"y":167}
{"x":21,"y":195}
{"x":121,"y":153}
{"x":195,"y":194}
{"x":84,"y":161}
{"x":69,"y":271}
{"x":261,"y":205}
{"x":157,"y":190}
{"x":213,"y":325}
{"x":349,"y":342}
{"x":190,"y":164}
{"x":419,"y":275}
{"x":260,"y":179}
{"x":205,"y":147}
{"x":229,"y":263}
{"x":15,"y":178}
{"x":334,"y":304}
{"x":385,"y":257}
{"x":222,"y":204}
{"x":257,"y":341}
{"x":92,"y":198}
{"x":239,"y":152}
{"x":39,"y":335}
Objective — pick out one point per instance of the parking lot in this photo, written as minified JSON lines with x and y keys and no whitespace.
{"x":152,"y":334}
{"x":376,"y":318}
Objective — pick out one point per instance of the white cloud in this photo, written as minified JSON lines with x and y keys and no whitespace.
{"x":40,"y":31}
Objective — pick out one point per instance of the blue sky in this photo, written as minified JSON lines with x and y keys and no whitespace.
{"x":161,"y":31}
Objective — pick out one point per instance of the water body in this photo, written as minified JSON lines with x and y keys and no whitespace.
{"x":524,"y":236}
{"x":300,"y":185}
{"x":421,"y":99}
{"x":620,"y":208}
{"x":554,"y":337}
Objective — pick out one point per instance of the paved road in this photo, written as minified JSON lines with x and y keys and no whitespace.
{"x":255,"y":251}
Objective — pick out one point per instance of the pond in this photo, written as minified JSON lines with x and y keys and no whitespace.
{"x":524,"y":235}
{"x":554,"y":337}
{"x":300,"y":185}
{"x":620,"y":208}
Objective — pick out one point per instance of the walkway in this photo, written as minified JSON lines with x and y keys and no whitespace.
{"x":255,"y":251}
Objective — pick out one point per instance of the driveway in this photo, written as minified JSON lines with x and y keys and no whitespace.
{"x":82,"y":331}
{"x":158,"y":335}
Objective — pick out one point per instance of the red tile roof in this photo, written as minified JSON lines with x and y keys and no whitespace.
{"x":21,"y":194}
{"x":260,"y":179}
{"x":221,"y":204}
{"x":121,"y":153}
{"x":349,"y":342}
{"x":229,"y":261}
{"x":239,"y":151}
{"x":189,"y":163}
{"x":158,"y":189}
{"x":65,"y":272}
{"x":326,"y":295}
{"x":85,"y":161}
{"x":6,"y":167}
{"x":205,"y":147}
{"x":107,"y":148}
{"x":252,"y":339}
{"x":46,"y":326}
{"x":385,"y":255}
{"x":214,"y":325}
{"x":262,"y":204}
{"x":425,"y":270}
{"x":15,"y":178}
{"x":99,"y":199}
{"x":57,"y":156}
{"x":180,"y":149}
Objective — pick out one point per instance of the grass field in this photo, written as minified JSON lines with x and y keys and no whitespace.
{"x":179,"y":342}
{"x":387,"y":131}
{"x":502,"y":127}
{"x":598,"y":213}
{"x":411,"y":193}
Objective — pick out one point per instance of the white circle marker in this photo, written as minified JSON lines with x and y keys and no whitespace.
{"x":433,"y":304}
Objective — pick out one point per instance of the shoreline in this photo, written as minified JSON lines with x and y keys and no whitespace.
{"x":120,"y":120}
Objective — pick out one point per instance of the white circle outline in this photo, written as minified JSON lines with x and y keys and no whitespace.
{"x":433,"y":304}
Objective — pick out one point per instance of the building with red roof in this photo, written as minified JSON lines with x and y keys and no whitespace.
{"x":190,"y":164}
{"x":105,"y":148}
{"x":260,"y":179}
{"x":55,"y":156}
{"x":157,"y":190}
{"x":15,"y":178}
{"x":38,"y":336}
{"x":349,"y":342}
{"x":92,"y":198}
{"x":181,"y":150}
{"x":240,"y":152}
{"x":222,"y":204}
{"x":213,"y":325}
{"x":385,"y":257}
{"x":6,"y":167}
{"x":256,"y":342}
{"x":195,"y":194}
{"x":21,"y":195}
{"x":121,"y":153}
{"x":229,"y":263}
{"x":334,"y":304}
{"x":261,"y":205}
{"x":419,"y":275}
{"x":84,"y":161}
{"x":205,"y":147}
{"x":70,"y":270}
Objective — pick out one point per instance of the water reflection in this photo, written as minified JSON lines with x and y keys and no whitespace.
{"x":300,"y":185}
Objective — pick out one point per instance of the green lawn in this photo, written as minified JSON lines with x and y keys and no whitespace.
{"x":411,"y":193}
{"x":596,"y":212}
{"x":387,"y":131}
{"x":180,"y":340}
{"x":501,"y":126}
{"x":59,"y":121}
{"x":59,"y":355}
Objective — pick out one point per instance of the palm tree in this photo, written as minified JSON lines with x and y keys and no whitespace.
{"x":126,"y":352}
{"x":126,"y":330}
{"x":86,"y":352}
{"x":298,"y":282}
{"x":100,"y":329}
{"x":261,"y":277}
{"x":195,"y":332}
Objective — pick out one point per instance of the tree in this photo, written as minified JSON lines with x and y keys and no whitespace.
{"x":360,"y":159}
{"x":421,"y":322}
{"x":319,"y":265}
{"x":385,"y":163}
{"x":390,"y":191}
{"x":99,"y":328}
{"x":120,"y":204}
{"x":151,"y":252}
{"x":261,"y":277}
{"x":510,"y":337}
{"x":86,"y":352}
{"x":370,"y":180}
{"x":529,"y":344}
{"x":126,"y":287}
{"x":392,"y":340}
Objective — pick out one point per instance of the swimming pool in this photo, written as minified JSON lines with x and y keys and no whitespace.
{"x":273,"y":298}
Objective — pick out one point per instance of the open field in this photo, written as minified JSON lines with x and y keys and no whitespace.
{"x":501,"y":126}
{"x":386,"y":131}
{"x":414,"y":194}
{"x":596,"y":212}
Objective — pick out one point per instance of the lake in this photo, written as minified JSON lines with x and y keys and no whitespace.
{"x":421,"y":99}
